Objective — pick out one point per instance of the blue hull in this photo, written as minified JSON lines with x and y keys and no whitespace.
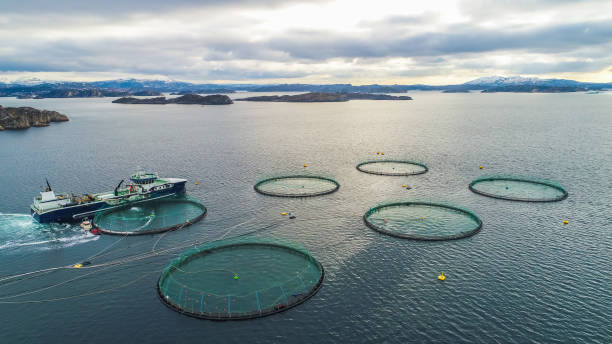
{"x":68,"y":214}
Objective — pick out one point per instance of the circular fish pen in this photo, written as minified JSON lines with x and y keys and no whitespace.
{"x":422,"y":220}
{"x":516,"y":188}
{"x":150,"y":217}
{"x":239,"y":279}
{"x":297,"y":186}
{"x":392,"y":167}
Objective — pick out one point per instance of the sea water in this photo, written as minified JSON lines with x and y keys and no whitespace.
{"x":526,"y":277}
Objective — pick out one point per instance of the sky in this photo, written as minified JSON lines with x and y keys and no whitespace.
{"x":325,"y":41}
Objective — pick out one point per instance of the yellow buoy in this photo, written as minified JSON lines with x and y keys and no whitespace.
{"x":565,"y":222}
{"x":481,"y":167}
{"x":196,"y":183}
{"x":283,"y":214}
{"x":305,"y":165}
{"x":76,"y":266}
{"x":403,"y":185}
{"x":441,"y":277}
{"x":377,"y":153}
{"x":422,"y":218}
{"x":381,"y":153}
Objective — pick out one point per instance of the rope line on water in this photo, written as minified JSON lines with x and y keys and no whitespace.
{"x":80,"y":295}
{"x":137,"y":257}
{"x":51,"y":286}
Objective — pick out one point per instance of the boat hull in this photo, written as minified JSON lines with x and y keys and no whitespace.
{"x":78,"y":212}
{"x":67,"y":214}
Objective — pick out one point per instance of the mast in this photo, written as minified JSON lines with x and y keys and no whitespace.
{"x":117,"y":188}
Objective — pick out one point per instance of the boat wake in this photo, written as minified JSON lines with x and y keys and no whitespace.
{"x":21,"y":232}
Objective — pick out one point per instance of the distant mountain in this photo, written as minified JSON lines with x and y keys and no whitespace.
{"x":501,"y":81}
{"x":32,"y":88}
{"x":24,"y":81}
{"x":492,"y":84}
{"x":518,"y":80}
{"x":69,"y":90}
{"x":320,"y":97}
{"x":534,"y":89}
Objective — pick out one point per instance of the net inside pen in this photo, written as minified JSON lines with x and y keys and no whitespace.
{"x":423,"y":220}
{"x":149,"y":217}
{"x":297,"y":186}
{"x":526,"y":189}
{"x":232,"y":280}
{"x":392,"y":167}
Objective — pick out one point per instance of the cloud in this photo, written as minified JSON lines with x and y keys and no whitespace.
{"x":458,"y":39}
{"x":255,"y":40}
{"x":122,"y":7}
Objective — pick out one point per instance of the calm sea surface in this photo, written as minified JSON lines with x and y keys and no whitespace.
{"x":525,"y":278}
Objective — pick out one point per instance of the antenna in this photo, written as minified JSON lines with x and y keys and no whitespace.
{"x":48,"y":185}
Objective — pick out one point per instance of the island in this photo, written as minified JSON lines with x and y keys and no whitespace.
{"x":456,"y":91}
{"x":203,"y":91}
{"x":320,"y":97}
{"x":15,"y":118}
{"x":215,"y":99}
{"x":146,"y":93}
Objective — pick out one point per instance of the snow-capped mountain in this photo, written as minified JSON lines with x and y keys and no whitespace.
{"x":35,"y":87}
{"x":23,"y":81}
{"x":519,"y":80}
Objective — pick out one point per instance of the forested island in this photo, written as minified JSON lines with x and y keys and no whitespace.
{"x":215,"y":99}
{"x":319,"y":97}
{"x":14,"y":118}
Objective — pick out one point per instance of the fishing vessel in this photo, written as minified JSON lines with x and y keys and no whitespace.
{"x":141,"y":187}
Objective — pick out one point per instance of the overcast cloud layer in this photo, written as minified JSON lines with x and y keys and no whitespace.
{"x":436,"y":42}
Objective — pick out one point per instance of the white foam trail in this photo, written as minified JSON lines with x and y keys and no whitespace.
{"x":22,"y":231}
{"x":19,"y":215}
{"x":72,"y":241}
{"x":63,"y":242}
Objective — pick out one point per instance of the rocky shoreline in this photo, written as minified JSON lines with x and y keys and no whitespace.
{"x":17,"y":118}
{"x":215,"y":99}
{"x":320,"y":97}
